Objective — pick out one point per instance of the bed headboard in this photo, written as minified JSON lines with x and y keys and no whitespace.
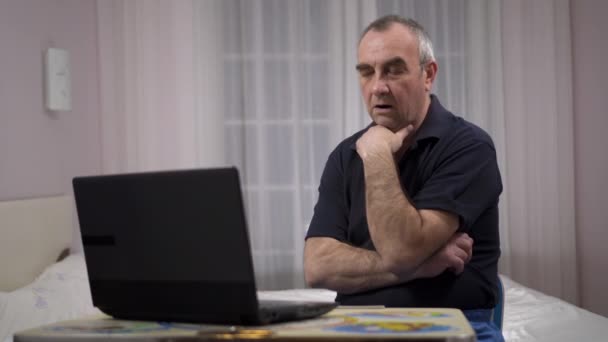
{"x":33,"y":234}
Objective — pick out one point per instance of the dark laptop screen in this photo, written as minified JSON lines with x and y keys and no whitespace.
{"x":176,"y":225}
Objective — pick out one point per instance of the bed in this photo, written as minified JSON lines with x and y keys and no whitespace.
{"x":36,"y":288}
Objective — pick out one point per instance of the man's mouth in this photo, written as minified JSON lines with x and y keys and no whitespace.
{"x":383,"y":106}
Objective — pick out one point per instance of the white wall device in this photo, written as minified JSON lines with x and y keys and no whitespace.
{"x":58,"y":85}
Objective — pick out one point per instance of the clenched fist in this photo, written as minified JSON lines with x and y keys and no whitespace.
{"x":379,"y":141}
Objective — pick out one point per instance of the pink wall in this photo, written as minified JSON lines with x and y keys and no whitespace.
{"x":41,"y":151}
{"x":590,"y":52}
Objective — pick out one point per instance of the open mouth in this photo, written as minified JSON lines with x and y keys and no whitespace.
{"x":383,"y":106}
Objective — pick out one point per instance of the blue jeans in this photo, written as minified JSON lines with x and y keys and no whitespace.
{"x":485,"y":329}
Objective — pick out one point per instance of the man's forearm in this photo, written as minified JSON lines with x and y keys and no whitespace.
{"x":394,"y":223}
{"x":337,"y":266}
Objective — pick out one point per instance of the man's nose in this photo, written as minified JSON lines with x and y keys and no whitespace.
{"x":380,"y":87}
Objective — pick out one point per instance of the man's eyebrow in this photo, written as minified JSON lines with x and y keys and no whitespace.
{"x":362,"y":66}
{"x":391,"y":62}
{"x":395,"y":61}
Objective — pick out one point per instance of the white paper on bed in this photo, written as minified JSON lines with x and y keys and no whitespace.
{"x":317,"y":295}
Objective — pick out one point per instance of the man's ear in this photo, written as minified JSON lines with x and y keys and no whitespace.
{"x":430,"y":72}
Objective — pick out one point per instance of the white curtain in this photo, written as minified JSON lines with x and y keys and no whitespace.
{"x":270,"y":86}
{"x":154,"y":87}
{"x":539,"y":174}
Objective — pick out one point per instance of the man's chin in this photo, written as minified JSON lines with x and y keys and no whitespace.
{"x":386,"y":122}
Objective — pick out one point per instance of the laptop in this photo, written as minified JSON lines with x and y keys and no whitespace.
{"x":173,"y":246}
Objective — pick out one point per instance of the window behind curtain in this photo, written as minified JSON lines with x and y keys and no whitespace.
{"x":277,"y":124}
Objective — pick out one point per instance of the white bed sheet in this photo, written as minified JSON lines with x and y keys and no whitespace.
{"x":533,"y":316}
{"x":62,"y":292}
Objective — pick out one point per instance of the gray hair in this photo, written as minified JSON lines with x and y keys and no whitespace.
{"x":425,"y":46}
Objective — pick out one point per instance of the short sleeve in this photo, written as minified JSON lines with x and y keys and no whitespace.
{"x":330,"y":218}
{"x":466,"y":182}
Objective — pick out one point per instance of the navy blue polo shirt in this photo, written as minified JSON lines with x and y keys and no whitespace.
{"x":451,"y":166}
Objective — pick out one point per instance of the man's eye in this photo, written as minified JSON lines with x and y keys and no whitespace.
{"x":396,"y":70}
{"x":366,"y":72}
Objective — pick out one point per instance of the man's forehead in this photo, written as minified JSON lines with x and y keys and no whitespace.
{"x":395,"y":32}
{"x":388,"y":54}
{"x":381,"y":46}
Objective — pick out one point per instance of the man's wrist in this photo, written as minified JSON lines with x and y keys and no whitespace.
{"x":381,"y":157}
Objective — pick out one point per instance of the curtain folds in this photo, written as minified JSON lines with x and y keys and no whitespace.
{"x":539,"y":173}
{"x":148,"y":91}
{"x":270,"y":86}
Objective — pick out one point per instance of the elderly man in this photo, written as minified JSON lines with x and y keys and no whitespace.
{"x":407,"y":212}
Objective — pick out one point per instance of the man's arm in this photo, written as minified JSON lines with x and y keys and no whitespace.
{"x":331,"y":264}
{"x":403,"y":236}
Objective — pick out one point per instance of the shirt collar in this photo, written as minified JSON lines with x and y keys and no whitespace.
{"x":434,"y":123}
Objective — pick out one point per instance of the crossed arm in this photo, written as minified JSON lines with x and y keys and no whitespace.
{"x":335,"y":265}
{"x":409,"y":243}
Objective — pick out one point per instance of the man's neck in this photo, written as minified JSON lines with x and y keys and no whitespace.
{"x":410,"y":139}
{"x":423,"y":113}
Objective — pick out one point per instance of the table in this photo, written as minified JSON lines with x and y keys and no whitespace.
{"x":342,"y":324}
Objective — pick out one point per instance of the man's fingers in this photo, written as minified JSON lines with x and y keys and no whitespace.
{"x":464,"y":242}
{"x":456,"y":259}
{"x":461,"y":254}
{"x":404,"y":132}
{"x":457,"y":266}
{"x":461,"y":237}
{"x":401,"y":137}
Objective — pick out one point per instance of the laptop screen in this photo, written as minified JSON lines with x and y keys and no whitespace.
{"x":186,"y":225}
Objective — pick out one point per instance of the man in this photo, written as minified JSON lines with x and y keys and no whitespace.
{"x":401,"y":202}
